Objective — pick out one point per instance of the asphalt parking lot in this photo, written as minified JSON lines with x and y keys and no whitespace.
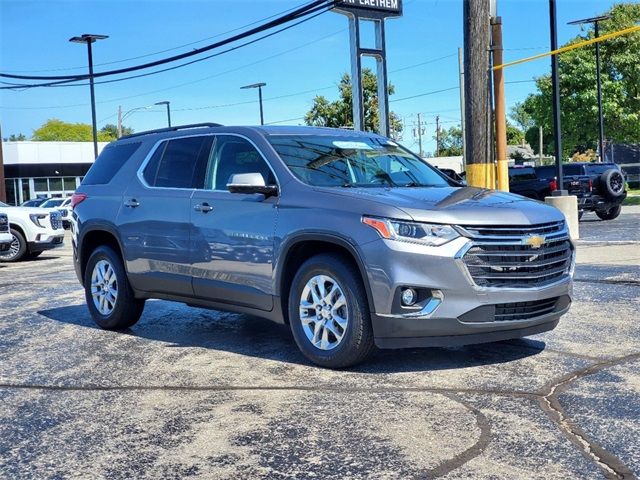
{"x":197,"y":393}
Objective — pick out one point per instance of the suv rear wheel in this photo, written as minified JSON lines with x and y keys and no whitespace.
{"x":329,"y":313}
{"x":108,"y":293}
{"x":610,"y":214}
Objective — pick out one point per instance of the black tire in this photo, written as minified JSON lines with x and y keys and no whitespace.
{"x":613,"y":182}
{"x":356,"y":343}
{"x":610,"y":214}
{"x":15,"y":254}
{"x":580,"y":214}
{"x":126,"y":309}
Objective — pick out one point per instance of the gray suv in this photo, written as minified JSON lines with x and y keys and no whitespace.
{"x":347,"y":237}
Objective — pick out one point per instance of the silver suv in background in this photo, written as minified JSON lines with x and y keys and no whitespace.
{"x":348,"y":237}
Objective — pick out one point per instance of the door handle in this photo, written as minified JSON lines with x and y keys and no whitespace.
{"x":132,"y":203}
{"x":203,"y":207}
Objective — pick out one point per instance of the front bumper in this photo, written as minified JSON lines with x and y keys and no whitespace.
{"x":46,"y":242}
{"x":5,"y":241}
{"x":464,"y":313}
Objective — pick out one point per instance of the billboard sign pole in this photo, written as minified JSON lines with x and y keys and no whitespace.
{"x":376,"y":11}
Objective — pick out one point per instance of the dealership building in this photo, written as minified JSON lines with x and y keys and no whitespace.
{"x":45,"y":169}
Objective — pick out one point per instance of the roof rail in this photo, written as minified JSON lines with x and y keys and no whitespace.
{"x":171,"y":129}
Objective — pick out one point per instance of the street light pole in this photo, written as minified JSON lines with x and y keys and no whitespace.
{"x":557,"y":130}
{"x":259,"y":87}
{"x":596,"y":21}
{"x":166,"y":103}
{"x":89,"y":39}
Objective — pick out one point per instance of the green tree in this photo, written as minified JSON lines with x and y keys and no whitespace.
{"x":620,"y":73}
{"x":16,"y":138}
{"x":112,"y":130}
{"x":515,"y":136}
{"x":338,"y":114}
{"x":521,"y":117}
{"x":55,"y":130}
{"x":450,"y":142}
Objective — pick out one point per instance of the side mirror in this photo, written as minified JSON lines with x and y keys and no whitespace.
{"x":250,"y":183}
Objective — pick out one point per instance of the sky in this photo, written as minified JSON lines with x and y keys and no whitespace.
{"x":296,"y":65}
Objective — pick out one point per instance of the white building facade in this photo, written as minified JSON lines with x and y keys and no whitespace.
{"x":45,"y":169}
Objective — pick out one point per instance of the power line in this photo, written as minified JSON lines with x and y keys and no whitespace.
{"x":161,"y":51}
{"x":308,"y":9}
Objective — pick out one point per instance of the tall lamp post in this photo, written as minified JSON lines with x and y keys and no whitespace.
{"x":168,"y":111}
{"x":259,"y":87}
{"x":595,"y":21}
{"x":555,"y":81}
{"x":89,"y":38}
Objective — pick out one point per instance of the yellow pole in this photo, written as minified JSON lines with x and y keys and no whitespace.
{"x":501,"y":119}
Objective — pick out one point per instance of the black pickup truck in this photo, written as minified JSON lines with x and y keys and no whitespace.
{"x":600,"y":187}
{"x":526,"y":182}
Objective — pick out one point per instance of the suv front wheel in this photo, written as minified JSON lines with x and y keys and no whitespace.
{"x":329,"y":313}
{"x":109,"y":296}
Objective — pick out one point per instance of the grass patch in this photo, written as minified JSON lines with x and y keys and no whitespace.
{"x":631,"y":201}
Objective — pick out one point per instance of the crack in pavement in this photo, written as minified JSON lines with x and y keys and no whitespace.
{"x":482,"y":422}
{"x":611,"y":465}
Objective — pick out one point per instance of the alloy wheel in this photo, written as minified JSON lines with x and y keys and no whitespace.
{"x":14,"y":248}
{"x":104,"y":287}
{"x":324,"y":312}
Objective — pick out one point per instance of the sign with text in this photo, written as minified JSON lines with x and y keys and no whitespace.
{"x":370,"y":8}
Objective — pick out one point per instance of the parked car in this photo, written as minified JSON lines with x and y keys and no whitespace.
{"x":63,"y":205}
{"x":32,"y":231}
{"x":5,"y":236}
{"x":528,"y":182}
{"x":453,"y":175}
{"x":346,"y":236}
{"x":600,"y":187}
{"x":34,"y":202}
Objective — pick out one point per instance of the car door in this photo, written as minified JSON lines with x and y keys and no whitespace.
{"x":232,"y":233}
{"x":154,"y":220}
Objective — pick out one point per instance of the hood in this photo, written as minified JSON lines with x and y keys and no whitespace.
{"x":460,"y":205}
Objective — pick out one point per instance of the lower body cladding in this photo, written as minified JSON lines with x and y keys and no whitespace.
{"x":450,"y":309}
{"x":44,"y":242}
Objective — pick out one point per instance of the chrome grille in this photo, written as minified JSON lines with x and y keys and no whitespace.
{"x":525,"y":310}
{"x":4,"y":223}
{"x":500,"y":257}
{"x":56,"y":222}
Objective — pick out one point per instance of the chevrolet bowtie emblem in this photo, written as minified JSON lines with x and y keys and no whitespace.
{"x":534,"y":241}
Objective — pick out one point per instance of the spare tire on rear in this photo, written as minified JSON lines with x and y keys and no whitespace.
{"x":613,"y":183}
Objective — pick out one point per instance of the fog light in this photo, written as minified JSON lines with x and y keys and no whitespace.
{"x":409,"y":296}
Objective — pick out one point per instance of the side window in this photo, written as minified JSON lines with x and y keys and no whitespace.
{"x":235,"y":155}
{"x":179,"y":163}
{"x":112,"y":158}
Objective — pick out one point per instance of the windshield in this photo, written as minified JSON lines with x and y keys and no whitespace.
{"x":343,"y":161}
{"x":52,"y":203}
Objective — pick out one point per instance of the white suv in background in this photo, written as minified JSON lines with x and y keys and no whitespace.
{"x":61,"y":204}
{"x":5,"y":237}
{"x":32,"y":230}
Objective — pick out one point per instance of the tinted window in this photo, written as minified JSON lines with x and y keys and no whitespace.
{"x":236,"y":155}
{"x":179,"y":163}
{"x":546,"y":172}
{"x":597,"y":169}
{"x":335,"y":161}
{"x":572,"y":170}
{"x":522,"y":174}
{"x":112,"y":158}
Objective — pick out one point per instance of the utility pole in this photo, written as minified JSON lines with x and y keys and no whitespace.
{"x":419,"y":136}
{"x":3,"y":190}
{"x":498,"y":92}
{"x":462,"y":124}
{"x":540,"y":143}
{"x":119,"y":121}
{"x":437,"y":135}
{"x":480,"y":171}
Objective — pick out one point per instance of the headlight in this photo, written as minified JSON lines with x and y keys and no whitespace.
{"x":36,"y":217}
{"x":422,"y":233}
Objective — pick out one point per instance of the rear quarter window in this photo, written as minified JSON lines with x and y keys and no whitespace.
{"x":572,"y":170}
{"x":109,"y":162}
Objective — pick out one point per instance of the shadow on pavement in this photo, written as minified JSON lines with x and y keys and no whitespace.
{"x":255,"y":337}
